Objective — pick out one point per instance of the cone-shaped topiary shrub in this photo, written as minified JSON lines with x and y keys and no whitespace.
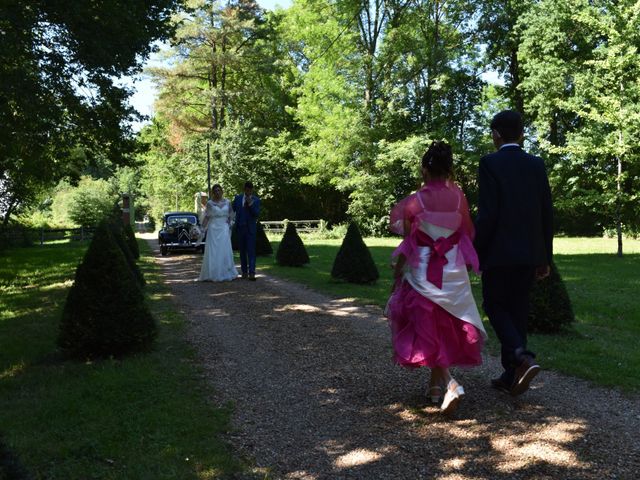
{"x":131,"y":241}
{"x":105,"y":313}
{"x":118,"y":231}
{"x":550,"y":310}
{"x":353,"y":262}
{"x":263,"y":245}
{"x":291,"y":251}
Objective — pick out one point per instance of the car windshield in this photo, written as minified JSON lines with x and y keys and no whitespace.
{"x":181,"y":220}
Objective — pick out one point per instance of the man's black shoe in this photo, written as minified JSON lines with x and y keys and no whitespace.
{"x":525,"y":372}
{"x":499,"y":384}
{"x":252,"y":277}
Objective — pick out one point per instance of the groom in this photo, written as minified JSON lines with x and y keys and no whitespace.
{"x":247,"y":208}
{"x":514,"y":240}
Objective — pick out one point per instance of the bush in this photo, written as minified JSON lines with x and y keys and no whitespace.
{"x":263,"y":245}
{"x":16,"y":236}
{"x":550,"y":309}
{"x":10,"y":467}
{"x":131,"y":241}
{"x":90,"y":202}
{"x":335,"y":232}
{"x":291,"y":251}
{"x":119,"y":235}
{"x":105,"y":314}
{"x":353,"y":262}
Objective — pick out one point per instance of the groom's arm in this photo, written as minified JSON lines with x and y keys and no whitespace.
{"x":254,"y":208}
{"x":487,"y":207}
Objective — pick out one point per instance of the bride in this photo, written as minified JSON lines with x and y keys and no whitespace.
{"x":217,"y":264}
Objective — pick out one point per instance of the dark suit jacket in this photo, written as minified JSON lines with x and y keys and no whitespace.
{"x":246,"y":216}
{"x":514,"y":226}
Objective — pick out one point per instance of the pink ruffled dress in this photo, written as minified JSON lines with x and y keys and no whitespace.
{"x":433,"y":316}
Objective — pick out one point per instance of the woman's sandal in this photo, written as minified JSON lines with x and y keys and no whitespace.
{"x":435,"y":394}
{"x":452,"y":397}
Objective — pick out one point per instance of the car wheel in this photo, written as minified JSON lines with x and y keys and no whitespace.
{"x":164,"y":250}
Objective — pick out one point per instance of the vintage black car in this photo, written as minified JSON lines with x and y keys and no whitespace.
{"x":180,"y":231}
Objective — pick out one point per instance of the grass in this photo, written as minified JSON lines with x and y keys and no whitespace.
{"x":141,"y":417}
{"x":600,"y":347}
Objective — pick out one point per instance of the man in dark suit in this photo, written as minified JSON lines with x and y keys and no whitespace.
{"x":514,"y":240}
{"x":247,"y":208}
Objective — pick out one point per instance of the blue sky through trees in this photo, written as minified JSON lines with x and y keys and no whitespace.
{"x":145,"y":91}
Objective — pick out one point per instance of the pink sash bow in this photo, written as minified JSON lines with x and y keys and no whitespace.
{"x":437,"y":258}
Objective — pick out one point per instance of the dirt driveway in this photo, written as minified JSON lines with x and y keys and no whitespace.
{"x":316,"y":396}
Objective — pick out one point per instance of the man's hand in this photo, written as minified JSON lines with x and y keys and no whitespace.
{"x":542,"y":272}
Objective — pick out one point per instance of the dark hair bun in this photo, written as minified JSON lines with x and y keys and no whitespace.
{"x":438,"y":159}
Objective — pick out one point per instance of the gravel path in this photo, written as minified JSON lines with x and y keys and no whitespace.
{"x":316,"y":396}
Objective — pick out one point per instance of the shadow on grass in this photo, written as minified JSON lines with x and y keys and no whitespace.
{"x":10,"y":466}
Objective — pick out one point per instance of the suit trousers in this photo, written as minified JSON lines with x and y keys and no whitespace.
{"x":247,"y":247}
{"x":505,"y":296}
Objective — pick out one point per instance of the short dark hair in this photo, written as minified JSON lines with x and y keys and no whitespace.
{"x":509,"y":124}
{"x":248,"y":185}
{"x":438,"y":159}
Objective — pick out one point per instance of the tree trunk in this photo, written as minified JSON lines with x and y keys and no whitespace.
{"x":7,"y":215}
{"x":619,"y":208}
{"x":213,"y":83}
{"x":432,"y":64}
{"x":514,"y":73}
{"x":223,"y":82}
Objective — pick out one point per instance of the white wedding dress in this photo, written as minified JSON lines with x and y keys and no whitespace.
{"x":217,"y":263}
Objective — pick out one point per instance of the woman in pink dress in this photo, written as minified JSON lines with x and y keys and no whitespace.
{"x":433,"y":316}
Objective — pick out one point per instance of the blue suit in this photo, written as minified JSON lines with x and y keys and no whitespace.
{"x":246,"y":218}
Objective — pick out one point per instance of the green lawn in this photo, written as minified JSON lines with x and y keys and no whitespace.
{"x":142,"y":417}
{"x":601,"y":347}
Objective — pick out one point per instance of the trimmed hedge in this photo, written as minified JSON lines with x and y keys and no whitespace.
{"x":118,"y":229}
{"x":353,"y":262}
{"x":550,"y":310}
{"x":291,"y":251}
{"x":105,"y":313}
{"x":131,"y":241}
{"x":10,"y":466}
{"x":263,"y":246}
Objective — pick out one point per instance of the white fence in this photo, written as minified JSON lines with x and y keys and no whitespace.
{"x":302,"y":226}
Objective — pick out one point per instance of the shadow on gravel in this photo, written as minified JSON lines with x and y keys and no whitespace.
{"x":317,"y":397}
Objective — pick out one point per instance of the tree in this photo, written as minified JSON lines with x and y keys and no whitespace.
{"x":263,"y":245}
{"x":353,"y":262}
{"x":291,"y":251}
{"x":500,"y":29}
{"x":551,"y":310}
{"x":59,"y":69}
{"x":223,"y":65}
{"x":105,"y":313}
{"x":583,"y":79}
{"x":91,"y":201}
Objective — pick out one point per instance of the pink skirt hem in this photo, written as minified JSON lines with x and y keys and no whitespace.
{"x":425,"y":335}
